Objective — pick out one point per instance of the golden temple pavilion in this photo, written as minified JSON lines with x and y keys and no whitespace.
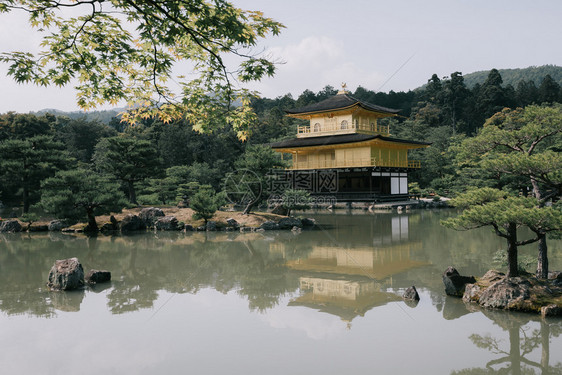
{"x":344,"y":151}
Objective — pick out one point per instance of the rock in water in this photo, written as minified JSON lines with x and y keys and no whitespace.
{"x":97,"y":276}
{"x":455,"y":283}
{"x":66,"y":274}
{"x":411,"y":294}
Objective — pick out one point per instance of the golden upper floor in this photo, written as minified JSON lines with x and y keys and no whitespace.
{"x":351,"y":150}
{"x":341,"y":114}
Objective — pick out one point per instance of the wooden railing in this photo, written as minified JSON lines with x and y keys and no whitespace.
{"x":353,"y":163}
{"x":317,"y":130}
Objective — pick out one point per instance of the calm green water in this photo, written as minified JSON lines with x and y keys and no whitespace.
{"x":318,"y":302}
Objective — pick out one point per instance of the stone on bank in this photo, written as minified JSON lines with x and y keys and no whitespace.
{"x":10,"y":226}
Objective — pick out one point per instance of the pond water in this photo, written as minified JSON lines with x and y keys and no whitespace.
{"x":319,"y":302}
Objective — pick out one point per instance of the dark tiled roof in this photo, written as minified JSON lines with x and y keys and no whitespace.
{"x":338,"y":139}
{"x":340,"y":101}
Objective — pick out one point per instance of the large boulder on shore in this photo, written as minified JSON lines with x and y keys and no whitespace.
{"x":66,"y":274}
{"x":506,"y":293}
{"x":551,"y":310}
{"x":149,"y":215}
{"x":308,"y":222}
{"x":166,"y":223}
{"x":57,"y":225}
{"x":269,"y":225}
{"x":232,"y":223}
{"x":10,"y":226}
{"x":455,"y":283}
{"x":211,"y":226}
{"x":131,"y":223}
{"x":524,"y":293}
{"x":289,"y":223}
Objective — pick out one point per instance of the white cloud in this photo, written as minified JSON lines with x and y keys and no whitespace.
{"x":314,"y":324}
{"x":311,"y":52}
{"x":315,"y":62}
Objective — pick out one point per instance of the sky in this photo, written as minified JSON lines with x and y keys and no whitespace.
{"x":379,"y":45}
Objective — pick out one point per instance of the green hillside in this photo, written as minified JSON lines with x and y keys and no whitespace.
{"x":103,"y":116}
{"x":513,"y":76}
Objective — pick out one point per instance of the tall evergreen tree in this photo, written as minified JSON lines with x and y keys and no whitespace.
{"x":127,"y":159}
{"x":549,"y":90}
{"x":491,"y":96}
{"x":454,"y":96}
{"x":24,"y":163}
{"x":80,"y":136}
{"x":433,"y":89}
{"x":526,"y":93}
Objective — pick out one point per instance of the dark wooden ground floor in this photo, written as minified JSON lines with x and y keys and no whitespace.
{"x":365,"y":184}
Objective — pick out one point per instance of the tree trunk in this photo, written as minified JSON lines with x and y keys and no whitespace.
{"x":249,"y":207}
{"x":25,"y":198}
{"x":542,"y":259}
{"x":545,"y":341}
{"x":513,"y":269}
{"x":542,"y":262}
{"x":132,"y":193}
{"x":514,"y":350}
{"x":92,"y":225}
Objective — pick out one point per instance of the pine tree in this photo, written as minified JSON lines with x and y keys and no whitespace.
{"x":79,"y":194}
{"x":127,"y":159}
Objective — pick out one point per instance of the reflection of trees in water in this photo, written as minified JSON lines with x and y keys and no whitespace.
{"x":149,"y":264}
{"x":252,"y":264}
{"x":523,"y":340}
{"x":265,"y":280}
{"x":25,"y":261}
{"x":125,"y":297}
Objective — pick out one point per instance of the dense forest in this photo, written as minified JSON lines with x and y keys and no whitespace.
{"x":514,"y":76}
{"x":157,"y":163}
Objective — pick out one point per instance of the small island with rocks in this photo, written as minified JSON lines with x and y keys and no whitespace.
{"x":495,"y":290}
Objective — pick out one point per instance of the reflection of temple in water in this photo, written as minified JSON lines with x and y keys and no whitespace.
{"x":377,"y":263}
{"x":344,"y":298}
{"x":349,"y":281}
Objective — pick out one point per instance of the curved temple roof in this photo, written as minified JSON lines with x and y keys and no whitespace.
{"x":340,"y":102}
{"x":339,"y":139}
